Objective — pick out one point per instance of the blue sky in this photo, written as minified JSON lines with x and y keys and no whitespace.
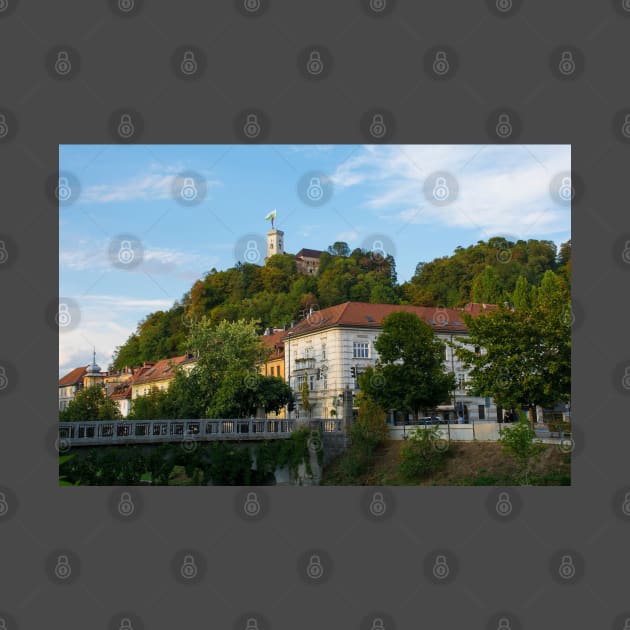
{"x":373,"y":194}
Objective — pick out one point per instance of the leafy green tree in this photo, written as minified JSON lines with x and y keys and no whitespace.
{"x":522,"y":295}
{"x":486,"y":287}
{"x":304,"y":397}
{"x":423,"y":453}
{"x":409,"y":374}
{"x":90,"y":403}
{"x":519,"y":441}
{"x":526,"y":357}
{"x":339,"y":248}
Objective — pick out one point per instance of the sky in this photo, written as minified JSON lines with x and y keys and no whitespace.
{"x":417,"y":202}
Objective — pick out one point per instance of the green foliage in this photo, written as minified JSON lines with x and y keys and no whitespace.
{"x":519,"y":441}
{"x":370,"y":429}
{"x":423,"y":453}
{"x":409,"y":375}
{"x":449,"y":281}
{"x":217,"y":463}
{"x":90,"y":403}
{"x":527,"y":352}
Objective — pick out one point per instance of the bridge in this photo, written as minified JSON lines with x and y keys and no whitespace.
{"x":118,"y":432}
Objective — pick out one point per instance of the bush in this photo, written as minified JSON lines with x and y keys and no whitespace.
{"x":423,"y":453}
{"x":518,"y":441}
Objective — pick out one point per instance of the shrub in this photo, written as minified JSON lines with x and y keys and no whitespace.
{"x":423,"y":453}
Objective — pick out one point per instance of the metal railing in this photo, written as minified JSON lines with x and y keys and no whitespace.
{"x":153,"y":431}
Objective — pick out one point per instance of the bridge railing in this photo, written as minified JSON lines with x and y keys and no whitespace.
{"x":128,"y":431}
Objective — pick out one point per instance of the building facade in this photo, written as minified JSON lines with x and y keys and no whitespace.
{"x":332,"y":347}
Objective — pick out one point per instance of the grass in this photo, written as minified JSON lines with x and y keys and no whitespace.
{"x":469,"y":464}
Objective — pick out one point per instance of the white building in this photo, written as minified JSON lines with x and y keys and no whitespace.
{"x":332,"y":346}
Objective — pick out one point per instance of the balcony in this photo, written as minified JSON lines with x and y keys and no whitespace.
{"x":305,"y":363}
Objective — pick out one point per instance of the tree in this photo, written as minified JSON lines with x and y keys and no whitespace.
{"x":409,"y":374}
{"x":339,"y":248}
{"x":519,"y":441}
{"x":90,"y":403}
{"x":304,"y":393}
{"x":526,"y":357}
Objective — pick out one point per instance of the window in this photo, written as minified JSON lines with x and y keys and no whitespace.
{"x":312,"y":385}
{"x":461,"y":381}
{"x":360,"y":350}
{"x":323,"y":352}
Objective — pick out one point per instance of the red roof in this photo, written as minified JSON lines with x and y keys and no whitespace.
{"x":365,"y":315}
{"x":477,"y":308}
{"x":73,"y":377}
{"x":274,"y":341}
{"x":309,"y":253}
{"x":122,"y":391}
{"x":163,"y":369}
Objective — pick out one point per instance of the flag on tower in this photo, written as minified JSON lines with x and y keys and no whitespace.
{"x":271,"y":216}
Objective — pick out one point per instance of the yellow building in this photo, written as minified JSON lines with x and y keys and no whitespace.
{"x":274,"y":365}
{"x":158,"y":375}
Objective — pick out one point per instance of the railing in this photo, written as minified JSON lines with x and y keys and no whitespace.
{"x":151,"y":431}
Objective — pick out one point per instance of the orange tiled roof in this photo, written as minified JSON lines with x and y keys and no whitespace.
{"x":122,"y":391}
{"x":275,"y":343}
{"x":368,"y":315}
{"x":161,"y":370}
{"x":73,"y":377}
{"x":477,"y":308}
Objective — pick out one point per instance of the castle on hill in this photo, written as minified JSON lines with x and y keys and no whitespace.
{"x":307,"y":260}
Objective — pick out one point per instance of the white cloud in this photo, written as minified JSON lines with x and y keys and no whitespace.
{"x":501,"y":189}
{"x":90,"y":256}
{"x":156,"y":184}
{"x":106,"y":322}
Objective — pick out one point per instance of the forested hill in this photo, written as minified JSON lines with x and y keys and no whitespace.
{"x":276,"y":294}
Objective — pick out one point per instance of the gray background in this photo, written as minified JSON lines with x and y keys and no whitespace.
{"x":253,"y":567}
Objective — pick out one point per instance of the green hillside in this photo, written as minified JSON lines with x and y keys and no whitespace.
{"x":276,"y":294}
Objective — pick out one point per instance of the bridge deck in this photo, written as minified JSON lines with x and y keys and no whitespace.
{"x":105,"y":432}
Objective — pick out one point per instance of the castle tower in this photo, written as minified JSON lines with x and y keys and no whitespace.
{"x":93,"y":375}
{"x":275,"y":243}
